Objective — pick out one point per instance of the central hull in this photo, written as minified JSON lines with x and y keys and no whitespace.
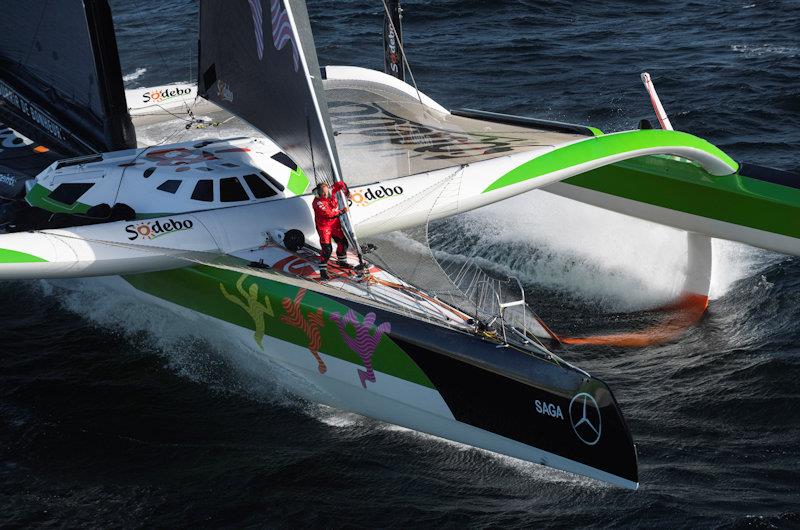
{"x":417,"y":375}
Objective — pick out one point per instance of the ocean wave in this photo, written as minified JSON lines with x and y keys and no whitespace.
{"x":760,"y":50}
{"x":192,"y":346}
{"x":133,"y":76}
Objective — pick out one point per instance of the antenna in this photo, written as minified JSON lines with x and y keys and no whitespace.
{"x":663,"y":120}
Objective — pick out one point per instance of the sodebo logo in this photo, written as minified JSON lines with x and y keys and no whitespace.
{"x":148,"y":230}
{"x":365,"y":197}
{"x":163,"y":94}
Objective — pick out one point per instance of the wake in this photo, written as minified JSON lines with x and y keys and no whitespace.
{"x":620,"y":263}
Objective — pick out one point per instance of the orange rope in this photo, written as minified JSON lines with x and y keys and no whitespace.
{"x":688,"y":310}
{"x":401,"y":287}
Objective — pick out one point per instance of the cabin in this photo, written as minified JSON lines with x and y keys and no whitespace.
{"x":155,"y":181}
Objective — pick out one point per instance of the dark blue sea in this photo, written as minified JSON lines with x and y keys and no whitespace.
{"x":114,"y":413}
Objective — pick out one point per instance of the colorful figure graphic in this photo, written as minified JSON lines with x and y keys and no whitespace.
{"x":311,"y":326}
{"x":282,"y":30}
{"x":251,"y":305}
{"x":258,"y":24}
{"x":364,"y":343}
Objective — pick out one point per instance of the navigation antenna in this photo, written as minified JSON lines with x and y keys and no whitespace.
{"x":661,"y":115}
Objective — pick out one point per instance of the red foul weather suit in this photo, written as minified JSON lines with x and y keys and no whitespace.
{"x":326,"y":218}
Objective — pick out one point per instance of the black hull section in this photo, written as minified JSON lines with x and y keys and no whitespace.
{"x":540,"y":402}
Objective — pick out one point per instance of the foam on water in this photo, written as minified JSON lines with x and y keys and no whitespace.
{"x":334,"y":417}
{"x":625,"y":264}
{"x":760,"y":50}
{"x":190,"y":343}
{"x":133,"y":76}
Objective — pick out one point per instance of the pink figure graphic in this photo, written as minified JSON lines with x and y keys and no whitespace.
{"x":364,"y":343}
{"x":258,"y":23}
{"x":282,"y":31}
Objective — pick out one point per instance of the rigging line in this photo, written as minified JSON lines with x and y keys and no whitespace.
{"x":36,"y":32}
{"x":402,"y":51}
{"x":173,"y":114}
{"x":479,"y":282}
{"x":441,"y":182}
{"x":311,"y":147}
{"x":164,"y":61}
{"x":191,"y":120}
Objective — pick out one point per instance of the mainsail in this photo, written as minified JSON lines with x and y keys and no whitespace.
{"x":60,"y":78}
{"x":257,"y":60}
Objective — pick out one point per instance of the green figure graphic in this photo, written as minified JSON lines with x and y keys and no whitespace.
{"x":252,"y":306}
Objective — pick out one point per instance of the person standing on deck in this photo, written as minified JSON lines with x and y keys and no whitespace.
{"x":329,"y":226}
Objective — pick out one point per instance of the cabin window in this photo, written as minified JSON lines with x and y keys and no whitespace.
{"x":204,"y":190}
{"x":69,"y":193}
{"x":170,"y":186}
{"x":284,"y":159}
{"x":231,"y":190}
{"x":149,"y":171}
{"x":259,"y":188}
{"x":80,"y":160}
{"x":272,"y":181}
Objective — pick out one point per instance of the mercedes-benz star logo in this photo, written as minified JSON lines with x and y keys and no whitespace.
{"x":585,"y":417}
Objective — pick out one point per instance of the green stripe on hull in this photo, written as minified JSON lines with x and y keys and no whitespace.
{"x":14,"y":256}
{"x":686,"y":187}
{"x":263,"y":306}
{"x":604,"y":146}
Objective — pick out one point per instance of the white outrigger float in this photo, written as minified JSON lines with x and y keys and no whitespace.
{"x":221,"y":223}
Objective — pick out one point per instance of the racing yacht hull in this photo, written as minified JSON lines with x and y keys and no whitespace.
{"x":390,"y":367}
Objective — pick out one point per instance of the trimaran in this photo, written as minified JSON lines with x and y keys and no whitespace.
{"x":219,"y":224}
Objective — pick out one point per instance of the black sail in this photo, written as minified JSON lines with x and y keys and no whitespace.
{"x":393,"y":62}
{"x":60,"y":78}
{"x":257,"y":60}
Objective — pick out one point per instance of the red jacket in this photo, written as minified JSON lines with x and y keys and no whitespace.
{"x":327,"y":212}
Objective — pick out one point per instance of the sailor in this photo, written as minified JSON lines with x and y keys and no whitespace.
{"x":326,"y":218}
